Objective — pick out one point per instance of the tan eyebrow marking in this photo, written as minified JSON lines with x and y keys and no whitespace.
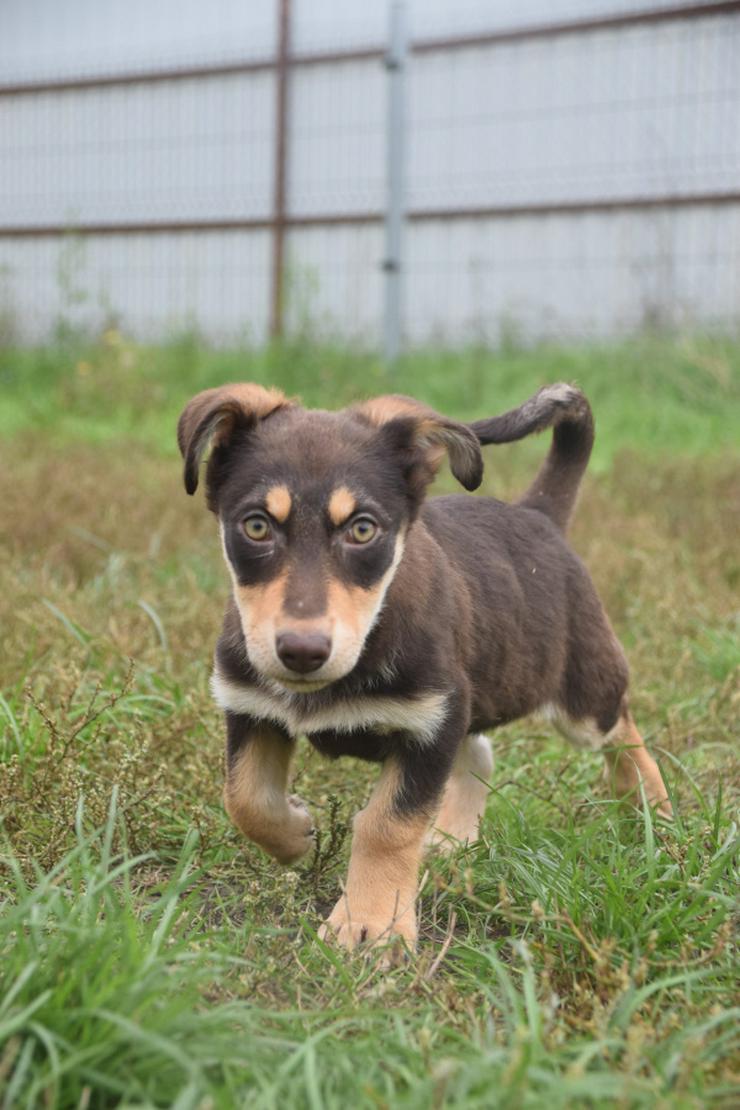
{"x":341,"y":505}
{"x":278,"y":503}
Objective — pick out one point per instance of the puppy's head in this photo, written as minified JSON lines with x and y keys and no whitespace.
{"x":314,"y":508}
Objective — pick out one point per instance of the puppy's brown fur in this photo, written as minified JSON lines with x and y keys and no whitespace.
{"x":396,"y":629}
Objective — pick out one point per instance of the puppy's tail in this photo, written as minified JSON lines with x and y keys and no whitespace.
{"x":564,"y":409}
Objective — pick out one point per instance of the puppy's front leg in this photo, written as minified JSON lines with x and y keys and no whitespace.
{"x":256,"y":795}
{"x":379,"y":899}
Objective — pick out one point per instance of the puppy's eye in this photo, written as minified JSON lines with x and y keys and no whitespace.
{"x":257,"y":528}
{"x":362,"y":530}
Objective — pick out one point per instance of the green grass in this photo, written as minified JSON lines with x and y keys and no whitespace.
{"x":576,"y":957}
{"x":647,"y":392}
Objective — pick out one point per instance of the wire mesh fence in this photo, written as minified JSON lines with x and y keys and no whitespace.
{"x":572,"y":168}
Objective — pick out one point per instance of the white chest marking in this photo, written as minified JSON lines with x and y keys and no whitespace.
{"x":421,"y":715}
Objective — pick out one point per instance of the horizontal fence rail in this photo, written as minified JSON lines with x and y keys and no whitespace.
{"x":355,"y":219}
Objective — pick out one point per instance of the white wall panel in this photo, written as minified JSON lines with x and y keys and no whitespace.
{"x":55,"y":38}
{"x":613,"y":114}
{"x":335,"y":281}
{"x":153,"y":285}
{"x":337,"y":146}
{"x":176,"y":150}
{"x":330,"y":24}
{"x":559,"y":276}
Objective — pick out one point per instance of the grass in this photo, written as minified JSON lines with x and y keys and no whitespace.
{"x":648,"y":392}
{"x":150,"y":957}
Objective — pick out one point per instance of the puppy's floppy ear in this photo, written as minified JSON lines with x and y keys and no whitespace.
{"x":430,"y":434}
{"x":214,"y":415}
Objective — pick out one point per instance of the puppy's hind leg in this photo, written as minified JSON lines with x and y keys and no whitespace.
{"x":629,"y":766}
{"x":464,"y":798}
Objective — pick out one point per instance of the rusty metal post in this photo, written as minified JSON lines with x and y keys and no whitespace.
{"x":282,"y":69}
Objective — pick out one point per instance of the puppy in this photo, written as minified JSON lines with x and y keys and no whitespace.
{"x":395,"y":629}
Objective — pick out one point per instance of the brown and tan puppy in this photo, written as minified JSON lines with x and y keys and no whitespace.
{"x":395,"y":629}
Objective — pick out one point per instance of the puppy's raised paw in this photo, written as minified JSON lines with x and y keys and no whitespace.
{"x":297,"y":834}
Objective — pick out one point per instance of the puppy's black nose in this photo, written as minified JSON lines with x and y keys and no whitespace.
{"x":303,"y":652}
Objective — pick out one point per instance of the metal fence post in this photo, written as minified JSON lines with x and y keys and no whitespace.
{"x":395,"y":63}
{"x":282,"y":63}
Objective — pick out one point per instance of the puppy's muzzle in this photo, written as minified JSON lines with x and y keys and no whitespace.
{"x":302,"y":652}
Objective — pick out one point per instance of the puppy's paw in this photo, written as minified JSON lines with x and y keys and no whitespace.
{"x":296,"y":832}
{"x":372,"y":929}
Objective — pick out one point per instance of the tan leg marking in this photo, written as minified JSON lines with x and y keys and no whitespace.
{"x":464,"y":799}
{"x":629,"y":764}
{"x":278,"y":503}
{"x":256,"y":798}
{"x":379,"y":900}
{"x":342,"y":504}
